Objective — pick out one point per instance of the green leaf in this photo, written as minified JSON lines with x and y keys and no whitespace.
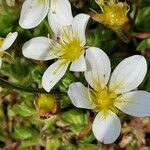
{"x":68,"y":146}
{"x":145,"y":44}
{"x":101,"y":38}
{"x":143,"y":19}
{"x":8,"y":18}
{"x":29,"y":143}
{"x":64,"y":83}
{"x":53,"y":144}
{"x":89,"y":147}
{"x":23,"y":110}
{"x":74,"y":117}
{"x":77,"y":119}
{"x":22,"y":133}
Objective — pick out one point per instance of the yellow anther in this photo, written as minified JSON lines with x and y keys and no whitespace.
{"x":72,"y":50}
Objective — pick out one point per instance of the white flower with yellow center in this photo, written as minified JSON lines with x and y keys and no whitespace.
{"x":107,"y":94}
{"x":34,"y":11}
{"x":69,"y":48}
{"x":5,"y":44}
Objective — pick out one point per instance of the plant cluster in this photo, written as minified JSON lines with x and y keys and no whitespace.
{"x":57,"y":87}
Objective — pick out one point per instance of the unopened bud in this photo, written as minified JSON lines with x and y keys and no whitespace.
{"x":47,"y":105}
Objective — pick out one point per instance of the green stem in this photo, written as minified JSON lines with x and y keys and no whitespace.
{"x":48,"y":28}
{"x":11,"y":85}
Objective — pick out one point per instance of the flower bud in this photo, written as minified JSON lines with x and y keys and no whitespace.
{"x":46,"y":105}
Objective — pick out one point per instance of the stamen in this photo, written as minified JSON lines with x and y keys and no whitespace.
{"x":114,"y":13}
{"x":3,"y":52}
{"x":103,"y":99}
{"x":68,"y":47}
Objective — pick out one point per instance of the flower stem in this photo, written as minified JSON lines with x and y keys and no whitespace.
{"x":10,"y":85}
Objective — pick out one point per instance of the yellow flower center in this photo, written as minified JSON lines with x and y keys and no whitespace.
{"x":103,"y":99}
{"x":72,"y":50}
{"x":114,"y":14}
{"x":67,"y":47}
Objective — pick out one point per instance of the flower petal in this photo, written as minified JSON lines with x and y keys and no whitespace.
{"x":128,"y":74}
{"x":38,"y":48}
{"x":53,"y":74}
{"x":79,"y":26}
{"x":59,"y":15}
{"x":135,"y":103}
{"x":78,"y":94}
{"x":106,"y":128}
{"x":78,"y":65}
{"x":33,"y":12}
{"x":9,"y":40}
{"x":98,"y":68}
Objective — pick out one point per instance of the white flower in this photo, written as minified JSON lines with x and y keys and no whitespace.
{"x":5,"y":44}
{"x":34,"y":11}
{"x":69,"y":48}
{"x":108,"y":94}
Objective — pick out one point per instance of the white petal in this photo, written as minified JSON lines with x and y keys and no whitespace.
{"x":9,"y":40}
{"x":33,"y":12}
{"x":53,"y":74}
{"x":78,"y":94}
{"x":106,"y":128}
{"x":98,"y":68}
{"x":135,"y":103}
{"x":79,"y":26}
{"x":60,"y":14}
{"x":128,"y":74}
{"x":38,"y":48}
{"x":0,"y":62}
{"x":78,"y":65}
